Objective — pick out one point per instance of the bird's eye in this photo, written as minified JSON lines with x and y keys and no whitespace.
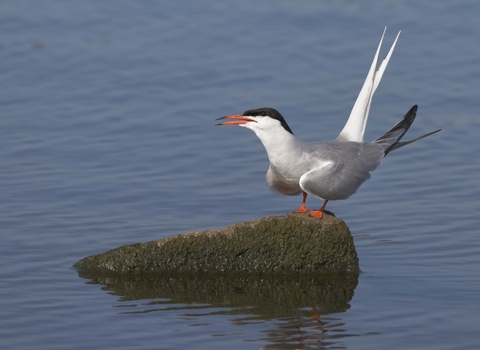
{"x":263,"y":114}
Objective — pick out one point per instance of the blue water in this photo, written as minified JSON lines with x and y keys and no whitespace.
{"x":107,"y":137}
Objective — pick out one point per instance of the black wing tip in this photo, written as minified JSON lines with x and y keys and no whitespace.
{"x":411,"y":114}
{"x":412,"y":110}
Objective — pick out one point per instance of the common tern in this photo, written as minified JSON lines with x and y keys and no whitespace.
{"x":327,"y":170}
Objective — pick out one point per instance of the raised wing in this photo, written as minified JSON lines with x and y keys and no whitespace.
{"x":357,"y":121}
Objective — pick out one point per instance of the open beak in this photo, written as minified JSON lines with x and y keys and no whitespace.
{"x":239,"y":119}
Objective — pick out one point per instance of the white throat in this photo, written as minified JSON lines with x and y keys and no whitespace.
{"x":282,"y":147}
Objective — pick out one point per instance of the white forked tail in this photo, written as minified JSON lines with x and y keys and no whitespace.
{"x":357,"y":121}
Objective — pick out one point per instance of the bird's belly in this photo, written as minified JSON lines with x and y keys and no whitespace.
{"x":285,"y":188}
{"x":284,"y":182}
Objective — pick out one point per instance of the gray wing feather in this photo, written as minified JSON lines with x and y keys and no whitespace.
{"x":348,"y":167}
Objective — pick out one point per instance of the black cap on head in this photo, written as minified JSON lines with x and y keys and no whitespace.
{"x":268,"y":112}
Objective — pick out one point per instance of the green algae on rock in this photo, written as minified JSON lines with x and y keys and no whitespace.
{"x":293,"y":243}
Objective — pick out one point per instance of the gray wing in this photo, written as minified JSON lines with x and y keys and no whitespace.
{"x":343,"y":168}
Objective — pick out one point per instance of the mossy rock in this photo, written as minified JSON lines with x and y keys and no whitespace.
{"x":294,"y":243}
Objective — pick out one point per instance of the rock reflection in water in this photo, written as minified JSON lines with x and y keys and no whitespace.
{"x":297,"y":306}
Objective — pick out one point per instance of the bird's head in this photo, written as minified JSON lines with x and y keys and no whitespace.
{"x":258,"y":120}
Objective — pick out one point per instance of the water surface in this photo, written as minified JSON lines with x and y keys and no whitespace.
{"x":107,"y":138}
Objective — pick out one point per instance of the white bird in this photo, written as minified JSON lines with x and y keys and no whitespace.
{"x":327,"y":170}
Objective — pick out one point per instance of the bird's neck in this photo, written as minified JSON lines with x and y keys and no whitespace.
{"x":281,"y":146}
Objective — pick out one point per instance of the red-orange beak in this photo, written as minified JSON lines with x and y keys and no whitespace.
{"x":239,"y":119}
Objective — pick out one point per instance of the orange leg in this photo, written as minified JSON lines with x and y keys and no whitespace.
{"x":303,"y":208}
{"x":319,"y":213}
